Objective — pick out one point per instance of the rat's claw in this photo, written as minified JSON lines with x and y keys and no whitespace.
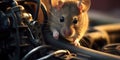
{"x":76,"y":43}
{"x":56,"y":34}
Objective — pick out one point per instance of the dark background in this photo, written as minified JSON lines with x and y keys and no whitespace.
{"x":104,"y":11}
{"x":105,"y":5}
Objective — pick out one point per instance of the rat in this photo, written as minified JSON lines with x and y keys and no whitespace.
{"x":69,"y":18}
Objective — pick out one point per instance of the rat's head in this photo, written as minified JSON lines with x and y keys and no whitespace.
{"x":69,"y":16}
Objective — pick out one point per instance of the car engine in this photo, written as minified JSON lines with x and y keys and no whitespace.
{"x":23,"y":38}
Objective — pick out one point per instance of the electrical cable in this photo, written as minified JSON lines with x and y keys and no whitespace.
{"x":16,"y":18}
{"x":33,"y":51}
{"x":112,"y":48}
{"x":32,"y":40}
{"x":54,"y":53}
{"x":37,"y":9}
{"x":83,"y":50}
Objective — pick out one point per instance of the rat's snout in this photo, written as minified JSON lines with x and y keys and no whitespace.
{"x":67,"y":32}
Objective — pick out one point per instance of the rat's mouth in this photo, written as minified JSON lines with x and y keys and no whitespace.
{"x":68,"y":33}
{"x":69,"y":38}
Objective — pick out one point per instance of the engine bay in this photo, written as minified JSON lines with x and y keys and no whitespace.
{"x":23,"y":38}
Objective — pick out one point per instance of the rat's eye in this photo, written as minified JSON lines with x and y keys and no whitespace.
{"x":62,"y":19}
{"x":75,"y":20}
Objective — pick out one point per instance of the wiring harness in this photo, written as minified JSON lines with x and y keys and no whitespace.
{"x":22,"y":38}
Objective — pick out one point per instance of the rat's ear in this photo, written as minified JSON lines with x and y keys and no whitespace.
{"x":84,"y":5}
{"x":57,"y":3}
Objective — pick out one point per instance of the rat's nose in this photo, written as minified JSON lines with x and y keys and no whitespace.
{"x":67,"y":32}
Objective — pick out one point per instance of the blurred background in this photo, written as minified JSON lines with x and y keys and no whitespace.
{"x":104,"y":11}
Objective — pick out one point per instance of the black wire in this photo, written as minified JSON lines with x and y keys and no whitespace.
{"x":111,"y":48}
{"x":17,"y":38}
{"x":52,"y":54}
{"x":94,"y":55}
{"x":37,"y":9}
{"x":32,"y":39}
{"x":33,"y":51}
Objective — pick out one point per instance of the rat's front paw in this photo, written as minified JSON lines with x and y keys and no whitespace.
{"x":56,"y":34}
{"x":76,"y":43}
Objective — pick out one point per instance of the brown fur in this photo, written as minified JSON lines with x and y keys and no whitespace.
{"x":70,"y":9}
